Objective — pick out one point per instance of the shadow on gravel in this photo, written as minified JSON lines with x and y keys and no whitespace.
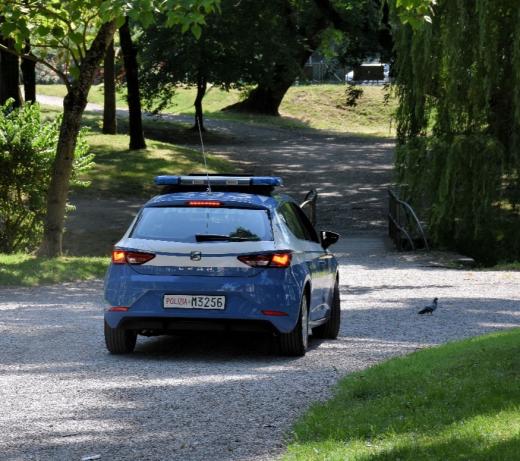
{"x":350,"y":173}
{"x":456,"y":318}
{"x":352,"y":290}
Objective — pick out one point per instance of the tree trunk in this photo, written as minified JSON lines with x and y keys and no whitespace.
{"x":265,"y":99}
{"x":29,"y":76}
{"x":202,"y":84}
{"x":109,"y":87}
{"x":73,"y":107}
{"x":9,"y":75}
{"x":132,"y":82}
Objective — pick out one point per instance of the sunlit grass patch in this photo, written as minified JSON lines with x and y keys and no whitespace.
{"x":459,"y":401}
{"x":120,"y":172}
{"x":306,"y":106}
{"x":323,"y":107}
{"x":28,"y":270}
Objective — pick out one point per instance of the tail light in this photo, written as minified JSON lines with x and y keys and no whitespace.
{"x":118,"y":309}
{"x":130,"y":257}
{"x":267,"y":259}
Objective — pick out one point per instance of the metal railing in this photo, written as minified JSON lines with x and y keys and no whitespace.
{"x":404,"y":225}
{"x":309,"y":202}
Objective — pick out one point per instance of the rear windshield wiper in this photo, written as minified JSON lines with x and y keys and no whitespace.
{"x":223,"y":238}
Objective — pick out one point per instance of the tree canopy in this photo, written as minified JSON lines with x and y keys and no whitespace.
{"x":241,"y":45}
{"x":259,"y":43}
{"x":70,"y":26}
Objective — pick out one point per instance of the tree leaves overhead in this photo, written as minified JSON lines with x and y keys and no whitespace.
{"x":415,"y":12}
{"x":69,"y":26}
{"x":239,"y":45}
{"x":71,"y":37}
{"x":250,"y":42}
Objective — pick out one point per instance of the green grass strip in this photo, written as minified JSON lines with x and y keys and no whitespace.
{"x":119,"y":172}
{"x":27,"y":270}
{"x":460,"y":401}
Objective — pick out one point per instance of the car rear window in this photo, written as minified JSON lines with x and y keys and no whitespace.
{"x":182,"y":224}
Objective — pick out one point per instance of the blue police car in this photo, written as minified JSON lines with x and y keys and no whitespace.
{"x":222,"y":253}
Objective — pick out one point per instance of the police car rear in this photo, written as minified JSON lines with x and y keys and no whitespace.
{"x":194,"y":259}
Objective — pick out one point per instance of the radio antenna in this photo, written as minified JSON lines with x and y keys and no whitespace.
{"x":203,"y":154}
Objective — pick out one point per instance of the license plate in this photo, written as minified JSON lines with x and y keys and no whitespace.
{"x":194,"y":302}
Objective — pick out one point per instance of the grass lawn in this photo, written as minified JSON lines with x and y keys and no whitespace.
{"x":322,"y":107}
{"x":182,"y":102}
{"x":123,"y":179}
{"x":27,"y":270}
{"x":120,"y":172}
{"x":312,"y":106}
{"x":460,"y":401}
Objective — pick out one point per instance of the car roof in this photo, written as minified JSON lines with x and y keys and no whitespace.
{"x":229,"y":199}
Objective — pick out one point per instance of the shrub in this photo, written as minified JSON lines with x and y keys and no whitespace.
{"x":27,"y":151}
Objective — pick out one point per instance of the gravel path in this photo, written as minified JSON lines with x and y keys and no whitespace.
{"x":213,"y":397}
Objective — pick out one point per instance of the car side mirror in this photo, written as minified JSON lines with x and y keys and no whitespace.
{"x":328,"y":238}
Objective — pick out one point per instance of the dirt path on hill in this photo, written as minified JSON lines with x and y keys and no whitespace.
{"x":351,"y":175}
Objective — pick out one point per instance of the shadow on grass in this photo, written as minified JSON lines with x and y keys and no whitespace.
{"x":467,"y":448}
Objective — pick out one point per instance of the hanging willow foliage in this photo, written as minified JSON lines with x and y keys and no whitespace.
{"x":458,"y":124}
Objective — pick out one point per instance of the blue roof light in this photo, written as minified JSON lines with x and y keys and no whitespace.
{"x":167,"y":180}
{"x":266,"y":181}
{"x":202,"y":180}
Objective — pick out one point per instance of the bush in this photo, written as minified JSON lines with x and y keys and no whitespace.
{"x":27,"y":151}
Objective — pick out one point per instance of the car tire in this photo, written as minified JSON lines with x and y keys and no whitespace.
{"x":330,"y":329}
{"x":119,"y":341}
{"x":294,"y":344}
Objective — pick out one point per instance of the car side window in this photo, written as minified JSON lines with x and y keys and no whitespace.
{"x":291,"y":220}
{"x":310,"y":233}
{"x":297,"y":222}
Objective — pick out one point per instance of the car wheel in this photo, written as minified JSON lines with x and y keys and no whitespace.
{"x":295,"y":343}
{"x":330,"y":329}
{"x":119,"y":341}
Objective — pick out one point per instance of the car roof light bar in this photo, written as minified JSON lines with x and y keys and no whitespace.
{"x":201,"y":180}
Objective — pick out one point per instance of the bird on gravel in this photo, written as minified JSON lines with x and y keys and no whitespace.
{"x":429,"y":309}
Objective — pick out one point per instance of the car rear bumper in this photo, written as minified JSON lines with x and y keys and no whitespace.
{"x":246,"y":298}
{"x":162,"y":325}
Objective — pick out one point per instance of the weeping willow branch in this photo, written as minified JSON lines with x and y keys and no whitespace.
{"x":458,"y":123}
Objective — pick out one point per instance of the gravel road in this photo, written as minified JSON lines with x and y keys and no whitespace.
{"x":214,"y":397}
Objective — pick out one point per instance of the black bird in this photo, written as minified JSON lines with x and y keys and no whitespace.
{"x":429,"y":309}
